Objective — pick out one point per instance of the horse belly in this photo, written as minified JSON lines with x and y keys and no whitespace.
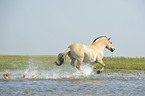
{"x":88,"y":59}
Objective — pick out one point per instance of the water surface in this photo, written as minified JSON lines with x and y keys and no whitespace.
{"x":68,"y":81}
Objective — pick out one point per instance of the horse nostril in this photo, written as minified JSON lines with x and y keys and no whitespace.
{"x":112,"y":49}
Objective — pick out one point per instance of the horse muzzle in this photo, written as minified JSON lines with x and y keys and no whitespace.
{"x":112,"y":49}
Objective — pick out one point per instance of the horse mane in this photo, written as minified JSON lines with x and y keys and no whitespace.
{"x":98,"y":38}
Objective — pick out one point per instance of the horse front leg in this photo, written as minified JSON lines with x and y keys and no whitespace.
{"x":101,"y":63}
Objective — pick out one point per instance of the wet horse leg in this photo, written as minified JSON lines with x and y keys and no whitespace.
{"x":73,"y":62}
{"x":101,"y":63}
{"x":79,"y":62}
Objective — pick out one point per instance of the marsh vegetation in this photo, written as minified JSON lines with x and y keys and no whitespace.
{"x":13,"y":62}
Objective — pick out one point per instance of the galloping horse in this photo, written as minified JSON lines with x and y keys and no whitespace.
{"x":87,"y":53}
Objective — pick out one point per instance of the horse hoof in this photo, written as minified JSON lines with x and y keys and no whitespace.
{"x":98,"y":72}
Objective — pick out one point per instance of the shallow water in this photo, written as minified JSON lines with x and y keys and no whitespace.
{"x":68,"y":81}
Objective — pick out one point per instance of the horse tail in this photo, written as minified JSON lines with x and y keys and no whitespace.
{"x":61,"y":57}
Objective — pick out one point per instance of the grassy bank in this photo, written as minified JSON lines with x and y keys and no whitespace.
{"x":13,"y":62}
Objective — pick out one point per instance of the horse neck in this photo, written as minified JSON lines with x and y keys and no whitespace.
{"x":100,"y":44}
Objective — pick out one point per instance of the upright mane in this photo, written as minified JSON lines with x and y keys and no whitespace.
{"x":98,"y":38}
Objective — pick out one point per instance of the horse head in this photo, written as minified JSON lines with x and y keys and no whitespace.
{"x":109,"y":45}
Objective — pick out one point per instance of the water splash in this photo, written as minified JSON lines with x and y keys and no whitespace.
{"x":57,"y":72}
{"x":31,"y":71}
{"x":69,"y":72}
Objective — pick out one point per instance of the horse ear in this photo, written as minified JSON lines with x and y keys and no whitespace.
{"x":109,"y":38}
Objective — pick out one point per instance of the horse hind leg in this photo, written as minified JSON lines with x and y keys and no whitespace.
{"x":72,"y":60}
{"x":79,"y":62}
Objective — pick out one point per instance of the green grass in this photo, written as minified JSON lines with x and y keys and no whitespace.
{"x":124,"y":63}
{"x":13,"y":62}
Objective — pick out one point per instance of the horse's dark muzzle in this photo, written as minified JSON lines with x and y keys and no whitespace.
{"x":112,"y":49}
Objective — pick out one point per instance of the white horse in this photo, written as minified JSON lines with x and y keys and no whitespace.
{"x":87,"y":53}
